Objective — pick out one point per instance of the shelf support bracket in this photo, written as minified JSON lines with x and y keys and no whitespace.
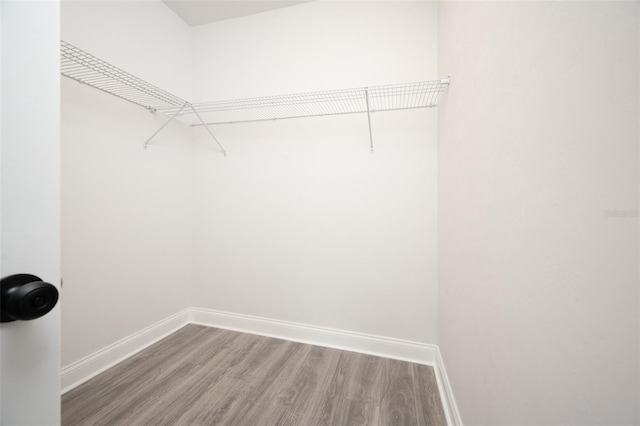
{"x":208,"y":130}
{"x":165,"y":124}
{"x":366,"y":94}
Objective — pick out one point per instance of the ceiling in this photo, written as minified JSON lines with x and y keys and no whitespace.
{"x":198,"y":12}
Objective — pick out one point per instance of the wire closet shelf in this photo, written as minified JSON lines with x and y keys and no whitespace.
{"x":423,"y":94}
{"x":81,"y":66}
{"x":95,"y":72}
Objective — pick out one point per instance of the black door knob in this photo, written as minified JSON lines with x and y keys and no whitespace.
{"x":25,"y":297}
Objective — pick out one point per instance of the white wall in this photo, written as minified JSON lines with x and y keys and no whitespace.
{"x":126,"y":212}
{"x":538,"y":138}
{"x":300,"y":222}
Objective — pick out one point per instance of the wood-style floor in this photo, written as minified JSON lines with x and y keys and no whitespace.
{"x":207,"y":376}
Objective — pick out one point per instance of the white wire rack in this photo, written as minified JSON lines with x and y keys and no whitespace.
{"x":81,"y":66}
{"x":85,"y":68}
{"x":423,"y":94}
{"x":88,"y":69}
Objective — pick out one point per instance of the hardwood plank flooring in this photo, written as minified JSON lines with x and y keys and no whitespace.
{"x":206,"y":376}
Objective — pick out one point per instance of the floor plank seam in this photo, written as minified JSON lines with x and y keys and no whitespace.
{"x":201,"y":375}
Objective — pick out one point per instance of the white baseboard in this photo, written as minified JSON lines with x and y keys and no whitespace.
{"x":446,"y":393}
{"x":386,"y":347}
{"x":421,"y":353}
{"x":80,"y":371}
{"x":404,"y":350}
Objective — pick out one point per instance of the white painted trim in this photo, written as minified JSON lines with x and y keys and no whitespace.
{"x":404,"y":350}
{"x":387,"y":347}
{"x":80,"y":371}
{"x":446,"y":393}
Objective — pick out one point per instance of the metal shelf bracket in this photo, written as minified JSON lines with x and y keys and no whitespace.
{"x":208,"y":130}
{"x":366,"y":91}
{"x":165,"y":124}
{"x":174,"y":115}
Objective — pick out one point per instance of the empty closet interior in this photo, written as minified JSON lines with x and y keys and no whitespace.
{"x":300,"y":222}
{"x":386,"y":177}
